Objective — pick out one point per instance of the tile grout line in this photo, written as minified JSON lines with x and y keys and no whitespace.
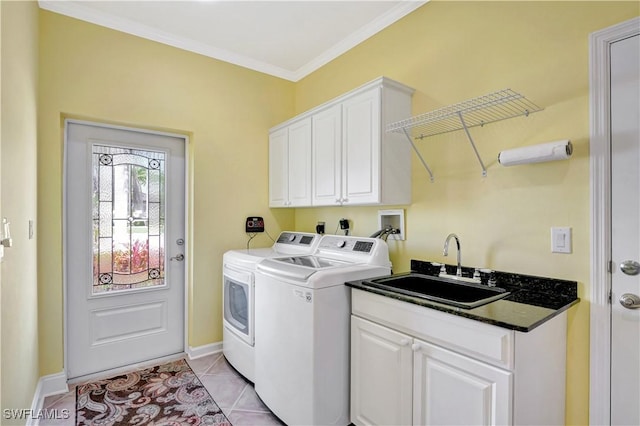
{"x":244,"y":389}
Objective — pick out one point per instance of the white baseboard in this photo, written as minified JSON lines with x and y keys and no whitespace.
{"x":52,"y":384}
{"x":204,"y":350}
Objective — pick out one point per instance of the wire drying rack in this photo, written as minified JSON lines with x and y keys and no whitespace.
{"x":497,"y":106}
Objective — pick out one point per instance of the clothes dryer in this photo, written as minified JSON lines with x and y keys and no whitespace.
{"x":238,"y":298}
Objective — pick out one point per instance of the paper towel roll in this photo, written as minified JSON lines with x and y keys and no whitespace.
{"x":551,"y":151}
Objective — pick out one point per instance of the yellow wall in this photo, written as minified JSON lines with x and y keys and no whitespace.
{"x":19,"y":346}
{"x":450,"y":52}
{"x":96,"y":73}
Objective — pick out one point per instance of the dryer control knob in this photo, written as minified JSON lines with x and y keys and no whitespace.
{"x":341,"y":243}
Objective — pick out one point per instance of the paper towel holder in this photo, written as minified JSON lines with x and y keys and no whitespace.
{"x":544,"y":152}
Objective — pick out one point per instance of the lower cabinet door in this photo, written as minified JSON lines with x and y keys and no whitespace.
{"x":381,"y":375}
{"x":452,"y":389}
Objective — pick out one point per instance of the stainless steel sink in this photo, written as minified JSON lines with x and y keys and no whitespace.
{"x":449,"y":291}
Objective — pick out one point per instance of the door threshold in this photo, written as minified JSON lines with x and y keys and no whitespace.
{"x":104,"y":374}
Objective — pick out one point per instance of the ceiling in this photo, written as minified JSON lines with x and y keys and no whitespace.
{"x":287,"y":39}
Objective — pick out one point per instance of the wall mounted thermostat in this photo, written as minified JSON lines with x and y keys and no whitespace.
{"x":254,"y":224}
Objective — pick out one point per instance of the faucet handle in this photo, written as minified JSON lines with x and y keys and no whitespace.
{"x":476,"y":274}
{"x":443,"y":269}
{"x":492,"y":277}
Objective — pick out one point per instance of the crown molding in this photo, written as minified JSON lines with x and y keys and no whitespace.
{"x":79,"y":11}
{"x":363,"y":33}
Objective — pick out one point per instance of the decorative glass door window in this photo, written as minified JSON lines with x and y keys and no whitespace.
{"x":128,"y":218}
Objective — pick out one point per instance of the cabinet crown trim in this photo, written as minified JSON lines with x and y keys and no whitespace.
{"x":378,"y":82}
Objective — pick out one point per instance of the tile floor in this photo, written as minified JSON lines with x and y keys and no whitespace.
{"x":232,"y":392}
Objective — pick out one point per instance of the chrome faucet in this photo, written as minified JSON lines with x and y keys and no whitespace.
{"x":445,"y":252}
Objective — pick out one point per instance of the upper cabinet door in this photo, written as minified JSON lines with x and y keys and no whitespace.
{"x":278,"y":168}
{"x":361,"y":148}
{"x":300,"y":163}
{"x":327,"y":157}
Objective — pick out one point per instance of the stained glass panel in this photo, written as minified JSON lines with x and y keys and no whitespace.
{"x":128,"y":215}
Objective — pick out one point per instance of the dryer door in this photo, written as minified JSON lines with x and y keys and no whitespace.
{"x":238,"y":302}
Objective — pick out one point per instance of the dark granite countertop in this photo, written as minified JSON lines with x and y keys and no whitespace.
{"x":533,"y":300}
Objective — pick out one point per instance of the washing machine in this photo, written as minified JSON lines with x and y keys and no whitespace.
{"x":238,"y":298}
{"x":302,"y":327}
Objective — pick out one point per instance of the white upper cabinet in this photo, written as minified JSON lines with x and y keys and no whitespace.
{"x":353,"y":160}
{"x":290,"y":165}
{"x":362,"y":128}
{"x":326,"y":182}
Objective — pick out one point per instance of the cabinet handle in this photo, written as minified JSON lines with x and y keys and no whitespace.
{"x":405,"y":342}
{"x":416,"y":347}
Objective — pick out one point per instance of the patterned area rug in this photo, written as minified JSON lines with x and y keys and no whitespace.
{"x":167,"y":395}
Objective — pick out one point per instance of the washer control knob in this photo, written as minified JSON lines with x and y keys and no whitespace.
{"x":341,"y":243}
{"x":292,"y":238}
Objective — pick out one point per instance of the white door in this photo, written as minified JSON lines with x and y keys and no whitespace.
{"x":361,"y":148}
{"x":124,"y":237}
{"x":300,"y":163}
{"x":452,"y":389}
{"x":327,"y":157}
{"x":290,"y":165}
{"x":278,"y":168}
{"x":625,"y":237}
{"x":381,"y":375}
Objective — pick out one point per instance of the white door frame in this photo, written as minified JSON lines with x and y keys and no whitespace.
{"x":187,"y":233}
{"x":600,"y":159}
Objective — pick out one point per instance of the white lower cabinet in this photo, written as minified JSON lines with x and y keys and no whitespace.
{"x":399,"y":380}
{"x":415,"y":365}
{"x":381,"y":375}
{"x":452,"y":389}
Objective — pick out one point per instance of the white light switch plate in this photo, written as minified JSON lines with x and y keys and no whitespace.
{"x":561,"y":240}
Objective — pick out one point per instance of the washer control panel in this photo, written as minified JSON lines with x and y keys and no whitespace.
{"x":297,"y":239}
{"x":348,"y":244}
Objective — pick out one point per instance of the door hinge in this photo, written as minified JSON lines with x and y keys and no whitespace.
{"x":610,"y":266}
{"x":610,"y":296}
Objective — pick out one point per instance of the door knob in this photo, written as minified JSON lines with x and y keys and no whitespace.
{"x":630,"y":267}
{"x":630,"y":301}
{"x":179,"y":257}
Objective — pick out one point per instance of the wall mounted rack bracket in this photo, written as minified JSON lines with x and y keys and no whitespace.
{"x":497,"y":106}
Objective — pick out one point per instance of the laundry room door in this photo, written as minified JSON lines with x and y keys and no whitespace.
{"x":124,"y":246}
{"x":625,"y":236}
